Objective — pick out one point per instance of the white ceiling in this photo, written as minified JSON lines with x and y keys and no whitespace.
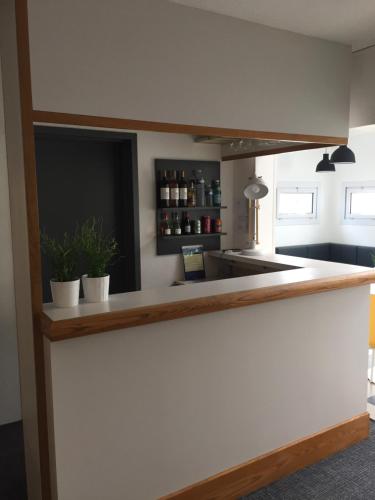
{"x":351,"y":22}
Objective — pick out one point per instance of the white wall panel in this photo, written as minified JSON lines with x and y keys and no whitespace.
{"x":156,"y":60}
{"x":152,"y":409}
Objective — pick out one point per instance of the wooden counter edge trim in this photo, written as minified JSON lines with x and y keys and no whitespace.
{"x":54,"y":117}
{"x":103,"y":322}
{"x":261,"y":471}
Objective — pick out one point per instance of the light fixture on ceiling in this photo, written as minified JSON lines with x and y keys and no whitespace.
{"x":343,"y":155}
{"x":325,"y":165}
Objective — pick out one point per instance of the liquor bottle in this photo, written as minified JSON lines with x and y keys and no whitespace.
{"x":164,"y":192}
{"x":217,"y":193}
{"x":206,"y":224}
{"x":173,"y":187}
{"x":200,"y":201}
{"x":197,"y":226}
{"x":209,"y":196}
{"x":187,"y":224}
{"x":218,"y":225}
{"x":165,"y":228}
{"x":191,"y":194}
{"x":183,"y":191}
{"x":176,"y":225}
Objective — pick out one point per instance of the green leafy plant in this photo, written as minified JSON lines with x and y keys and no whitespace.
{"x":98,"y":249}
{"x":63,"y":255}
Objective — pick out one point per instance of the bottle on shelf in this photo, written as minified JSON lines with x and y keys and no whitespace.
{"x":217,"y":193}
{"x":197,"y":226}
{"x":186,"y":224}
{"x":164,"y":192}
{"x":206,"y":224}
{"x":183,"y":190}
{"x":209,"y":196}
{"x":200,"y":190}
{"x":218,"y":225}
{"x":165,"y":228}
{"x":174,"y":191}
{"x":176,"y":224}
{"x":191,"y":194}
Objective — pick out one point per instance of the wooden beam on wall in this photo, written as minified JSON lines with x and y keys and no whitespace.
{"x":24,"y":75}
{"x":56,"y":118}
{"x":274,"y":151}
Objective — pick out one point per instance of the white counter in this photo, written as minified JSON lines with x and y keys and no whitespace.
{"x":288,"y":270}
{"x":142,"y":411}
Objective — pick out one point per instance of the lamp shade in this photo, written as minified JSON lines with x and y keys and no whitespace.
{"x":343,"y":155}
{"x":325,"y":165}
{"x":256,"y":189}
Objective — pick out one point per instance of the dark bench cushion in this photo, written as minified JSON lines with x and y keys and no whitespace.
{"x":334,"y":252}
{"x":346,"y":254}
{"x":294,"y":251}
{"x":364,"y":256}
{"x":319,"y":251}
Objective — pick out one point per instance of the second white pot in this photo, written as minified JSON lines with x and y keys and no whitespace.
{"x":95,"y":289}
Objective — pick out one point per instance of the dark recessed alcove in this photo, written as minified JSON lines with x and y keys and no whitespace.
{"x":83,"y":173}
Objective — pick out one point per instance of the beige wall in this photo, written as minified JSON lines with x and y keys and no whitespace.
{"x":299,"y":168}
{"x":21,"y":271}
{"x":361,"y":141}
{"x":156,"y":60}
{"x":141,"y":412}
{"x":265,"y":168}
{"x":163,"y":270}
{"x":10,"y":409}
{"x":362,"y":99}
{"x":243,"y":169}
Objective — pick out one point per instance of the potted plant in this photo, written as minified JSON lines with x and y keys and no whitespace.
{"x":63,"y":255}
{"x":98,"y":250}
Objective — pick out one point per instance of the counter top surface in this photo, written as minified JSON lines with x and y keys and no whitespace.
{"x":292,"y":276}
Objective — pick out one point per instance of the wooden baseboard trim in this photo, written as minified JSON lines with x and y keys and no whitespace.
{"x":261,"y":471}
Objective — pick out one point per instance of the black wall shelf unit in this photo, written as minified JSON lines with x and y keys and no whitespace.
{"x":167,"y":245}
{"x":190,"y":209}
{"x":191,"y":236}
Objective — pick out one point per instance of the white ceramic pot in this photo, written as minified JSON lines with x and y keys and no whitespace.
{"x":65,"y":293}
{"x":95,"y":289}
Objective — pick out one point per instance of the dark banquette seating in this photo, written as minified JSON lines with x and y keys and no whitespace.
{"x":333,"y":252}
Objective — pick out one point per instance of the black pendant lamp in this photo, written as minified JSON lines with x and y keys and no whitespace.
{"x":343,"y":155}
{"x":325,"y":165}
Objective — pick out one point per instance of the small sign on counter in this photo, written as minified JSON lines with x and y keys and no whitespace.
{"x":193,"y":262}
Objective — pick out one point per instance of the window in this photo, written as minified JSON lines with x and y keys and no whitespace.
{"x":297,"y":204}
{"x":359,"y":203}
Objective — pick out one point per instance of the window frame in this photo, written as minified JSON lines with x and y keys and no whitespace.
{"x":297,"y":187}
{"x":355,"y":187}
